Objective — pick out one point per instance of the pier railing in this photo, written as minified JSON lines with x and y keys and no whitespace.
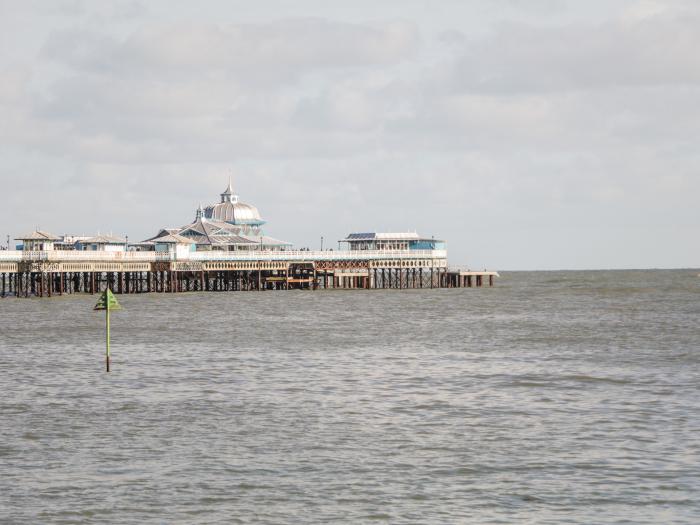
{"x":214,"y":255}
{"x":75,"y":255}
{"x":303,"y":255}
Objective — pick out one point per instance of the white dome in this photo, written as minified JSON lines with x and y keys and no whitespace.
{"x":236,"y":213}
{"x":233,"y":211}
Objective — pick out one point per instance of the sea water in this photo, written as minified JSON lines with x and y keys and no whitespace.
{"x":554,"y":397}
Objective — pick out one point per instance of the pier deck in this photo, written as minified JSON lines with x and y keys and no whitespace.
{"x":469,"y":278}
{"x":47,"y":273}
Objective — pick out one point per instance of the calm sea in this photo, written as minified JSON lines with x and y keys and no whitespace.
{"x":555,"y":397}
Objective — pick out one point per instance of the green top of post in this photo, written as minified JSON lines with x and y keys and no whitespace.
{"x":107,"y":301}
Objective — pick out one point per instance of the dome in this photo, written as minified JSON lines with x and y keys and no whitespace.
{"x":233,"y":211}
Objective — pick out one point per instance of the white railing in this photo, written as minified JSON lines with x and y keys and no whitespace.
{"x":75,"y":255}
{"x":10,"y":255}
{"x":70,"y":255}
{"x":243,"y":255}
{"x":302,"y":255}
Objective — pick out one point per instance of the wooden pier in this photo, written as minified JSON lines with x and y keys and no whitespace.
{"x":50,"y":273}
{"x":469,"y":278}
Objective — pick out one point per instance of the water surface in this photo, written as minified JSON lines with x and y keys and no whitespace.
{"x":555,"y":397}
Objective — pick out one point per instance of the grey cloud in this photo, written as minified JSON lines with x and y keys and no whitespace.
{"x":361,"y":103}
{"x":123,"y":9}
{"x":654,"y":51}
{"x":13,"y":85}
{"x":242,"y":53}
{"x":185,"y":92}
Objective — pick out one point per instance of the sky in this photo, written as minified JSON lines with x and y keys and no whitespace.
{"x":530,"y":135}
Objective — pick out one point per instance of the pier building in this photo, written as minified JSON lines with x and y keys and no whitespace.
{"x":38,"y":241}
{"x":391,"y":241}
{"x":101,"y":243}
{"x":225,"y":249}
{"x":230,"y":225}
{"x":233,"y":211}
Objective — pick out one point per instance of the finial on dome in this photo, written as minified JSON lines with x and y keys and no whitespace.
{"x":229,"y":195}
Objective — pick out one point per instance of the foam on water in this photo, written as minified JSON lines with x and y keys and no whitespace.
{"x":555,"y":397}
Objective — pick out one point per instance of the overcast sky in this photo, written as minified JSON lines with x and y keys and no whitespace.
{"x":536,"y":134}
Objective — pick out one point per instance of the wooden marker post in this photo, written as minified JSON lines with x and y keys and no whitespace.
{"x":107,"y":302}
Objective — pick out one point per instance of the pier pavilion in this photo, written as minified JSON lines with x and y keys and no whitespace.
{"x":38,"y":241}
{"x":391,"y":241}
{"x":102,"y":243}
{"x":44,"y":241}
{"x":230,"y":225}
{"x":233,"y":211}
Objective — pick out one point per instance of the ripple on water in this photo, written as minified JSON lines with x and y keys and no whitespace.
{"x":556,"y":397}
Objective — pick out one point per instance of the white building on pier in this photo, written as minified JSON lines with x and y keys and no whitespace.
{"x":38,"y":241}
{"x":392,"y":241}
{"x":41,"y":241}
{"x":229,"y":225}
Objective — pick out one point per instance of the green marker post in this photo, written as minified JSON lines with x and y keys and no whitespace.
{"x":107,"y":316}
{"x":107,"y":302}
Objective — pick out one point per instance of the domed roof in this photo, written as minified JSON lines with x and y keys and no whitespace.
{"x":233,"y":211}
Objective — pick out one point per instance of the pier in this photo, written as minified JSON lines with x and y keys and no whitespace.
{"x":469,"y":278}
{"x":225,"y":249}
{"x":58,"y":272}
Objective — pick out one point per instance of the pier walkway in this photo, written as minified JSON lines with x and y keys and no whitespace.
{"x":47,"y":273}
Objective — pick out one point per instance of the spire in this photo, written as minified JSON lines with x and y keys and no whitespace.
{"x":200,"y":212}
{"x":228,"y":195}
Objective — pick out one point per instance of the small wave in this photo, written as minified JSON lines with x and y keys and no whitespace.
{"x":127,"y":407}
{"x":596,"y":379}
{"x":556,"y":381}
{"x":529,"y":384}
{"x":6,"y":451}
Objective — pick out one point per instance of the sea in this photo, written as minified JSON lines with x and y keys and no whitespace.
{"x":551,"y":398}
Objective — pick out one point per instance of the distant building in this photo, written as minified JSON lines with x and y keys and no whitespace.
{"x":101,"y":243}
{"x":43,"y":241}
{"x":38,"y":241}
{"x":174,"y":243}
{"x":69,"y":242}
{"x":230,"y":225}
{"x":392,"y":241}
